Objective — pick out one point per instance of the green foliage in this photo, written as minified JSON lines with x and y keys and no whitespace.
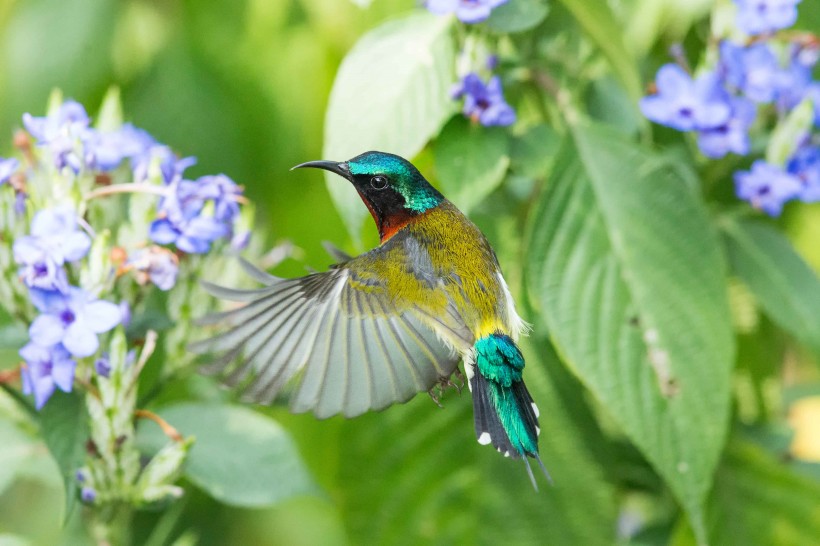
{"x":404,"y":68}
{"x":241,"y":458}
{"x":598,"y":21}
{"x":470,"y":161}
{"x":786,"y":287}
{"x":64,"y":426}
{"x":616,"y":228}
{"x":757,"y":502}
{"x":518,"y":16}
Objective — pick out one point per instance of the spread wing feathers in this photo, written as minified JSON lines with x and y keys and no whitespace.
{"x":356,"y":350}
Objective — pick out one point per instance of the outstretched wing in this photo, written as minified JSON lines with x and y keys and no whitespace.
{"x":357,"y":343}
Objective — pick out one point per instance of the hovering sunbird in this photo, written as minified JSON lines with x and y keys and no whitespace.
{"x":379,"y":328}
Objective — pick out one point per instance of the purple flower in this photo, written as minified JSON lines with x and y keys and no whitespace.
{"x":107,"y":150}
{"x":54,"y":240}
{"x":793,"y":85}
{"x":468,"y":11}
{"x":805,"y":165}
{"x":754,"y":70}
{"x":73,"y":319}
{"x":88,"y":494}
{"x":61,"y":132}
{"x":157,"y":265}
{"x":484,"y":103}
{"x":103,"y":365}
{"x":731,"y":136}
{"x":45,"y":369}
{"x":767,"y":187}
{"x":163,"y":157}
{"x":7,"y":168}
{"x":197,"y":213}
{"x":764,"y":16}
{"x":686,"y":104}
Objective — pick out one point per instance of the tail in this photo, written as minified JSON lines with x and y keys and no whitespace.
{"x":505,"y":414}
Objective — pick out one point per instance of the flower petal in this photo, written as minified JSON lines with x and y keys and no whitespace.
{"x":62,"y":371}
{"x":100,"y":316}
{"x":43,"y":389}
{"x":47,"y":330}
{"x":75,"y":246}
{"x":80,"y":340}
{"x":673,"y":81}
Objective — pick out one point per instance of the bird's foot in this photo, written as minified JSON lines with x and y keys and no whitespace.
{"x":435,"y":392}
{"x":445,"y":383}
{"x":459,"y":376}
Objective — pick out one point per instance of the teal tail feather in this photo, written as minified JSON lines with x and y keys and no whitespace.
{"x":505,"y":414}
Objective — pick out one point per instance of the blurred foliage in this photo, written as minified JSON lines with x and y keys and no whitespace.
{"x":245,"y":86}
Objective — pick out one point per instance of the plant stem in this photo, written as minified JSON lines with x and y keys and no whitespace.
{"x":112,"y":526}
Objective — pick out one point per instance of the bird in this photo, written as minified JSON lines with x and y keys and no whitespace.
{"x":378,"y":328}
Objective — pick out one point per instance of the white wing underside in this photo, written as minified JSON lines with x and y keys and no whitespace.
{"x":355,"y":351}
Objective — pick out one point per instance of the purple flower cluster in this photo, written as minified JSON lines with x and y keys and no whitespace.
{"x":190,"y":214}
{"x":468,"y":11}
{"x":722,"y":104}
{"x":54,"y":240}
{"x":484,"y":103}
{"x":194,"y":214}
{"x":70,"y":318}
{"x":67,"y":327}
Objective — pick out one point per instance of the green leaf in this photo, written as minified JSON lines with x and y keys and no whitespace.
{"x":785,"y":285}
{"x":518,"y":15}
{"x":470,"y":161}
{"x":606,"y":31}
{"x":532,"y":153}
{"x":758,"y":501}
{"x":424,"y":462}
{"x":65,"y":430}
{"x":239,"y":457}
{"x":391,"y":94}
{"x":15,"y":451}
{"x":631,"y":284}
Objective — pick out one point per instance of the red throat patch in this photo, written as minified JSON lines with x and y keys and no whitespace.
{"x":388,"y":225}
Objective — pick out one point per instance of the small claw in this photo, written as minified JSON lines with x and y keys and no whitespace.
{"x":459,"y":375}
{"x":435,"y":396}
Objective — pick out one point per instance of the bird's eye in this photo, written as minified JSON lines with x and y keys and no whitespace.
{"x":378,"y":182}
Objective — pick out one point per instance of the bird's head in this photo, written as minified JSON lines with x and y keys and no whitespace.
{"x":391,"y":187}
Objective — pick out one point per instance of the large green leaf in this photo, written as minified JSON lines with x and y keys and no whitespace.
{"x":391,"y":94}
{"x":603,"y":28}
{"x":470,"y":161}
{"x":239,"y":457}
{"x":630,"y":280}
{"x":782,"y":282}
{"x":64,"y":426}
{"x":518,"y":15}
{"x":758,"y":501}
{"x":424,"y":463}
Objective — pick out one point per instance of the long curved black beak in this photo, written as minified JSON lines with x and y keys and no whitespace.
{"x":339,"y":168}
